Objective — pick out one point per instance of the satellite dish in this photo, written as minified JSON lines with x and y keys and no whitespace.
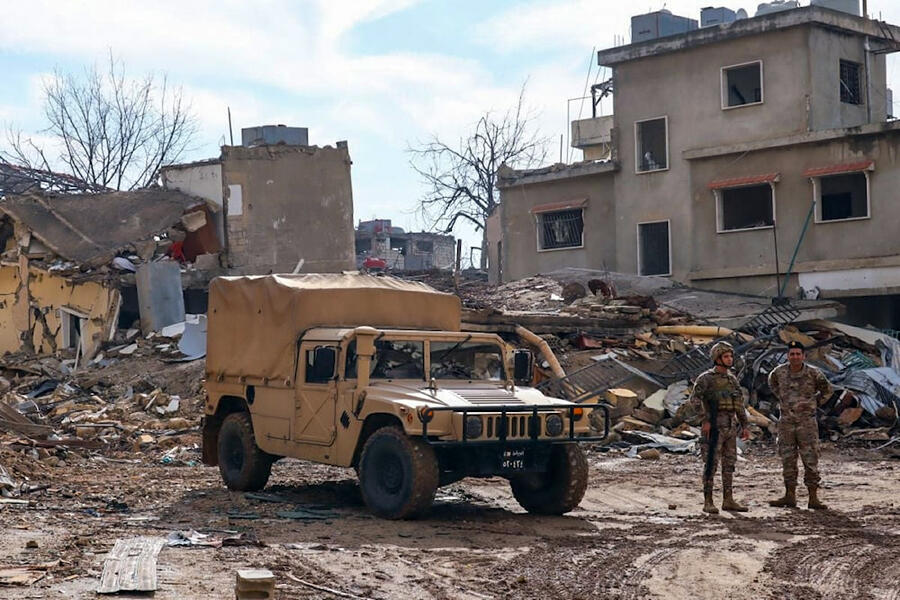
{"x":740,"y":14}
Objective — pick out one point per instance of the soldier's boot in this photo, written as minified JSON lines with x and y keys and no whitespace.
{"x":708,"y":505}
{"x":814,"y":502}
{"x":789,"y":500}
{"x":728,"y":501}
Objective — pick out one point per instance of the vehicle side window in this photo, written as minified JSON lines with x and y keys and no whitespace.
{"x":310,"y":376}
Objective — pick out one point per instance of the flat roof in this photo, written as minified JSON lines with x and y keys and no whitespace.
{"x":510,"y":177}
{"x":877,"y":31}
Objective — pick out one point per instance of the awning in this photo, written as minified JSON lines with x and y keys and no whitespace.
{"x":719,"y":184}
{"x":554,"y":206}
{"x":854,"y":167}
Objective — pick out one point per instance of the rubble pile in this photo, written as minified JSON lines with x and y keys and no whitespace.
{"x":136,"y":397}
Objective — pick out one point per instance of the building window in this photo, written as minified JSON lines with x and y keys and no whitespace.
{"x":851,"y":91}
{"x":748,"y":207}
{"x":423,"y":246}
{"x":742,"y":85}
{"x":71,"y":327}
{"x":654,"y":256}
{"x":561,"y":229}
{"x":651,"y":141}
{"x":842,"y":197}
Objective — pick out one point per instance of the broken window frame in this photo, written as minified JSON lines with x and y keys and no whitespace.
{"x":637,"y":146}
{"x":539,"y":229}
{"x":724,"y":85}
{"x":845,"y":88}
{"x":817,"y":196}
{"x":640,"y":261}
{"x":720,"y":215}
{"x":65,"y":328}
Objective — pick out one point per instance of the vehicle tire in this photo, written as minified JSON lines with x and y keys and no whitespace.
{"x":244,"y":467}
{"x":398,"y":475}
{"x":560,"y":488}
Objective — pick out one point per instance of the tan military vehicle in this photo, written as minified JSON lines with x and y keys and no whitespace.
{"x":374,"y":373}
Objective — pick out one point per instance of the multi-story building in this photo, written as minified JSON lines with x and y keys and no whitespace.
{"x":401,"y":250}
{"x":735,"y":153}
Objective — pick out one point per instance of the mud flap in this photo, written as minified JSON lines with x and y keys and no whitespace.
{"x":210,"y":442}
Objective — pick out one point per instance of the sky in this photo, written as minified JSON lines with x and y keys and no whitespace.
{"x":382,"y":74}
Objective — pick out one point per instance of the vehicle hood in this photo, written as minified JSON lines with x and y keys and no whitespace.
{"x":461,"y":394}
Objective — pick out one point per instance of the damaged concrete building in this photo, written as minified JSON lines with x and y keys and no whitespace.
{"x":403,"y":251}
{"x":66,"y":274}
{"x":728,"y":167}
{"x":283,"y":205}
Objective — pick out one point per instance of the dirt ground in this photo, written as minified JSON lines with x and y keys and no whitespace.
{"x":639,"y":533}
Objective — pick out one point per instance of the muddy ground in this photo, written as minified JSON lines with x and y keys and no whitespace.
{"x":639,"y":533}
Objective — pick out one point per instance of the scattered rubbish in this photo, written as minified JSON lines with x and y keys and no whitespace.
{"x":131,"y":566}
{"x":192,"y":538}
{"x":307,"y":514}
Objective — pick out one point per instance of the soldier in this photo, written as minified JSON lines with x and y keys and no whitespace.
{"x":800,"y":388}
{"x":719,"y":393}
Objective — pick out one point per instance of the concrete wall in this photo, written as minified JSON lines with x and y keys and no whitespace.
{"x":520,"y":256}
{"x":745,"y":260}
{"x":295,"y":203}
{"x":826,"y":49}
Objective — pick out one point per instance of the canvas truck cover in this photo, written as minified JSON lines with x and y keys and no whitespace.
{"x":255,"y":321}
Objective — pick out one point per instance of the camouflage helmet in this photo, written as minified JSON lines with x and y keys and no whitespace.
{"x":719,"y":349}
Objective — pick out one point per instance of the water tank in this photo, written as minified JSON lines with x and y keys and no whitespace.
{"x":776,"y":6}
{"x":274,"y":134}
{"x":659,"y":24}
{"x":716,"y":15}
{"x":847,"y":6}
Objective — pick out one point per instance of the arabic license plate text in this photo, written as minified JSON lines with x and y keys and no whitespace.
{"x":513,"y":460}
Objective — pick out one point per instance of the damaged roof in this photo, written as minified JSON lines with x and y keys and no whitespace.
{"x":90,"y":228}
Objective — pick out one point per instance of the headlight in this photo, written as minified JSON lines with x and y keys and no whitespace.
{"x":474,"y":427}
{"x":554,"y":425}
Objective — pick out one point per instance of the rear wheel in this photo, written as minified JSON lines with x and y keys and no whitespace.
{"x":398,"y":475}
{"x":244,"y":467}
{"x":559,"y":489}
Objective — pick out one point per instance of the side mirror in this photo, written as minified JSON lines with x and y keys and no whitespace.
{"x":523,"y":367}
{"x":322,"y":369}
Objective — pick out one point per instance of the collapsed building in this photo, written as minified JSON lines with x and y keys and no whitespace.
{"x":392,"y":248}
{"x":68,"y":262}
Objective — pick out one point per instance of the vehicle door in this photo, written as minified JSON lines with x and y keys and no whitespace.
{"x":316,"y":394}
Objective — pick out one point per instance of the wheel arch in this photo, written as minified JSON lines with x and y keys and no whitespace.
{"x":373,"y":423}
{"x":212,"y":424}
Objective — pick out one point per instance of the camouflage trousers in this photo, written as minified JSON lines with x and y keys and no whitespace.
{"x":799,"y":437}
{"x":725,"y":449}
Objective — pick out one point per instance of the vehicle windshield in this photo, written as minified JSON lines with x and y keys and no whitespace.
{"x":466,"y":360}
{"x":394,"y":359}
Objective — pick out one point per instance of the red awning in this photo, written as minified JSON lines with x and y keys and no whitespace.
{"x":554,"y":206}
{"x":742,"y":181}
{"x":865,"y":165}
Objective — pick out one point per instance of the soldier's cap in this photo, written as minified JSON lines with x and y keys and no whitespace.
{"x":795,"y":344}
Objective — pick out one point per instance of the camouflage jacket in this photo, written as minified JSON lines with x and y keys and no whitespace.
{"x":799,"y":393}
{"x":722,"y":389}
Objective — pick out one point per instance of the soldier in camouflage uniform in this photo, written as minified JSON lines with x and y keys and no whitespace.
{"x":719,"y":393}
{"x":800,"y":388}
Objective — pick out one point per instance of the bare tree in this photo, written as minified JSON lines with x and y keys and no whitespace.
{"x":108,"y":130}
{"x":462,"y":179}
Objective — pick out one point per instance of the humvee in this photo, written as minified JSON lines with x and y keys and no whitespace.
{"x":374,"y":373}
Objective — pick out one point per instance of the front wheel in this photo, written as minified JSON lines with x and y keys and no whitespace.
{"x":557,"y":490}
{"x":244,"y":467}
{"x":398,"y":475}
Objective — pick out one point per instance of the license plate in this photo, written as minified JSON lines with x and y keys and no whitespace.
{"x":513,"y":460}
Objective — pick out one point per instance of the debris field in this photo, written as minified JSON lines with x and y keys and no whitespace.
{"x":101,"y":474}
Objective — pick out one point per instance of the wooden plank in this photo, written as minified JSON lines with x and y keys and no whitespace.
{"x":131,"y":566}
{"x":12,"y":420}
